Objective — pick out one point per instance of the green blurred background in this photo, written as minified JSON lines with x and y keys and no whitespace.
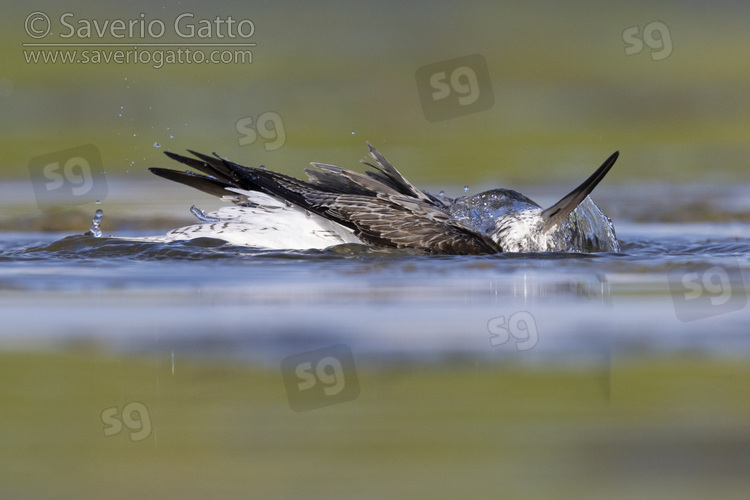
{"x":565,"y":93}
{"x":447,"y":431}
{"x":336,"y":74}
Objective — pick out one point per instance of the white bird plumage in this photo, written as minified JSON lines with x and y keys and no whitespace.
{"x":381,"y":208}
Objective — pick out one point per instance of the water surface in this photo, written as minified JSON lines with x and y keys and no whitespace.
{"x":251,"y":302}
{"x":555,"y":375}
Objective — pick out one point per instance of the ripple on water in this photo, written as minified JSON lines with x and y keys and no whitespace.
{"x":375,"y":301}
{"x":28,"y":246}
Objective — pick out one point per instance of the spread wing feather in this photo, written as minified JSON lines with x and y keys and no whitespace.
{"x":382,"y":207}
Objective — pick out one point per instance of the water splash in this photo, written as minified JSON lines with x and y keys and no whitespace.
{"x":517,"y":223}
{"x":201,"y":215}
{"x":95,"y":230}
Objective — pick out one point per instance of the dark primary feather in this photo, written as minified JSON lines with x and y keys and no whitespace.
{"x":393,"y":177}
{"x":204,"y":183}
{"x":340,"y":180}
{"x":212,"y":166}
{"x":560,"y":210}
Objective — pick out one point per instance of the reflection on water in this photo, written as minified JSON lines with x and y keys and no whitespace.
{"x":658,"y":293}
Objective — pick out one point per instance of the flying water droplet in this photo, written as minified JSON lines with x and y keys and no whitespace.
{"x":157,"y":145}
{"x":201,"y":215}
{"x":441,"y":194}
{"x":466,"y":189}
{"x":95,"y":230}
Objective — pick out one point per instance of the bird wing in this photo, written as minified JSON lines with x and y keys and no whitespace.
{"x":404,"y":222}
{"x":555,"y":214}
{"x":389,"y":176}
{"x":382,"y":207}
